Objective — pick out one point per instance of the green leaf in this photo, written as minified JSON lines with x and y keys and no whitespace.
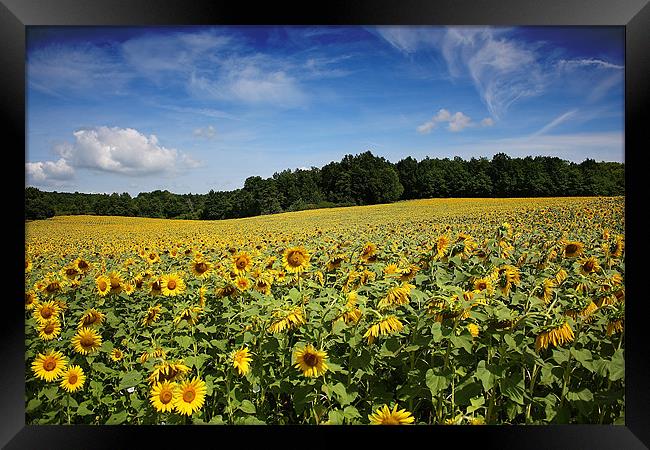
{"x":585,"y":395}
{"x":184,"y":341}
{"x":338,"y":326}
{"x":117,"y":418}
{"x":513,"y":388}
{"x":464,"y":341}
{"x":50,"y":392}
{"x":350,"y":413}
{"x":616,"y":367}
{"x":83,"y":410}
{"x":129,"y":379}
{"x":335,"y":417}
{"x":32,"y":405}
{"x":511,"y":342}
{"x":466,"y":391}
{"x":247,"y":406}
{"x":436,"y":383}
{"x":584,"y":357}
{"x":436,"y":332}
{"x":487,"y":375}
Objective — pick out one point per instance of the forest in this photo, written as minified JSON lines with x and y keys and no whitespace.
{"x":362,"y":179}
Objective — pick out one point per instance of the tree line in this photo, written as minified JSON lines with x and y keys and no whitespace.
{"x":362,"y":179}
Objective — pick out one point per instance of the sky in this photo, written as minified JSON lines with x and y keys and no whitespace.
{"x":190,"y":109}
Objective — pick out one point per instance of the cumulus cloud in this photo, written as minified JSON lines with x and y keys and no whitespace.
{"x":123,"y":151}
{"x":455,"y":122}
{"x":48,"y":172}
{"x":206,"y":132}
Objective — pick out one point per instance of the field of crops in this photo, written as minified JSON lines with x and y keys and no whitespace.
{"x":446,"y":311}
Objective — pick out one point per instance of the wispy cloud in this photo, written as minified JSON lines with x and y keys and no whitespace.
{"x":206,"y":132}
{"x":555,"y":122}
{"x":456,"y":122}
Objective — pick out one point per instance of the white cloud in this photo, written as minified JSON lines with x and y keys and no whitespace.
{"x":206,"y":132}
{"x":124,"y":151}
{"x":585,"y":62}
{"x":48,"y":172}
{"x":555,"y":122}
{"x":456,"y":122}
{"x":487,"y":122}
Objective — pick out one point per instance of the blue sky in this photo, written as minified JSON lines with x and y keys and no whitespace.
{"x":189,"y":109}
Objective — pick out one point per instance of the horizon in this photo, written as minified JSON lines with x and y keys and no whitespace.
{"x":139,"y":109}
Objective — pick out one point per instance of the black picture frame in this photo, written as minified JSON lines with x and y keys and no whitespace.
{"x":634,"y":15}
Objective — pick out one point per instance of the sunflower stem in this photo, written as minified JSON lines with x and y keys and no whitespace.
{"x":67,"y":406}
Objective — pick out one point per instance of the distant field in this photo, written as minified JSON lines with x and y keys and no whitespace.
{"x":457,"y":311}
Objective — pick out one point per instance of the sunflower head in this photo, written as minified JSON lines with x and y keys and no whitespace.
{"x":73,"y":379}
{"x":49,"y":366}
{"x":46,"y":311}
{"x":310,"y":361}
{"x":172,"y":285}
{"x":295,"y":259}
{"x":162,"y":396}
{"x":86,"y":341}
{"x":386,"y":416}
{"x":241,"y":360}
{"x":241,"y":263}
{"x":91,"y":318}
{"x":572,"y":249}
{"x":49,"y":329}
{"x":190,"y":396}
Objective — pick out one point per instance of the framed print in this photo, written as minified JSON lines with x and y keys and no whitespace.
{"x":244,"y":223}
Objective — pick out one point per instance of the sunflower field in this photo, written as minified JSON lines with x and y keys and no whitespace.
{"x":444,"y":311}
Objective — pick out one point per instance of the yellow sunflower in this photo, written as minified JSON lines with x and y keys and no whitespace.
{"x":90,"y":318}
{"x":162,"y":396}
{"x":368,"y":252}
{"x":190,"y":396}
{"x":242,"y":283}
{"x":168,"y":371}
{"x":310,"y":361}
{"x":556,"y":335}
{"x":200,"y":268}
{"x":241,"y":263}
{"x":49,"y":329}
{"x":473,"y":329}
{"x":86,"y":341}
{"x":46,"y":310}
{"x":172,"y":285}
{"x":49,"y":366}
{"x":241,"y":360}
{"x":82,"y":265}
{"x":390,"y":324}
{"x":573,"y":248}
{"x":73,"y":379}
{"x":385,"y":416}
{"x":295,"y":259}
{"x":117,"y":354}
{"x":115,"y":282}
{"x":103,"y":284}
{"x":152,"y":315}
{"x":287,"y":321}
{"x":31,"y":299}
{"x":441,"y":246}
{"x":588,"y":265}
{"x":396,"y":296}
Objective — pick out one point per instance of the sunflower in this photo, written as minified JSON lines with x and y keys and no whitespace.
{"x":473,"y":329}
{"x":115,"y":282}
{"x":546,"y":290}
{"x":292,"y":319}
{"x":128,"y":288}
{"x":168,"y":371}
{"x":408,"y":273}
{"x":557,"y":334}
{"x":46,"y":310}
{"x":241,"y":360}
{"x":385,"y":416}
{"x":617,"y":249}
{"x":295,"y":259}
{"x":52,"y":284}
{"x":49,"y":329}
{"x":172,"y":284}
{"x":73,"y":379}
{"x":390,"y":324}
{"x":225,"y":291}
{"x":352,"y":313}
{"x":91,"y":318}
{"x":28,"y":265}
{"x":392,"y":269}
{"x":506,"y":277}
{"x":70,"y":271}
{"x":156,"y":287}
{"x":82,"y":265}
{"x":368,"y":252}
{"x":162,"y":396}
{"x":241,"y":263}
{"x":242,"y":283}
{"x":152,"y":315}
{"x":310,"y":361}
{"x":483,"y":284}
{"x":588,"y":265}
{"x":152,"y":257}
{"x":572,"y":248}
{"x":335,"y":262}
{"x":31,"y":299}
{"x":189,"y":314}
{"x":441,"y":246}
{"x":200,"y":268}
{"x":86,"y":341}
{"x":263,"y":283}
{"x":190,"y":396}
{"x":560,"y":276}
{"x":615,"y":326}
{"x":396,"y":296}
{"x":49,"y":366}
{"x":117,"y":354}
{"x":103,"y":284}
